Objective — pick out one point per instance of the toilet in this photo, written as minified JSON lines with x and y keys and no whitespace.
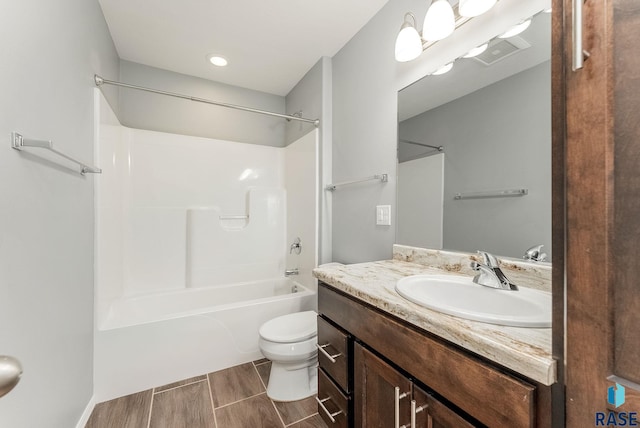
{"x":289,"y":341}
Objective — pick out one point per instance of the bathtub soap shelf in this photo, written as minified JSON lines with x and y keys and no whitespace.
{"x":234,"y":217}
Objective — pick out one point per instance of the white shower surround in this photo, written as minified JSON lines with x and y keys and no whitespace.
{"x":179,"y":291}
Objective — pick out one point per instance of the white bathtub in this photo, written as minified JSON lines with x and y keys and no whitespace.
{"x":160,"y":338}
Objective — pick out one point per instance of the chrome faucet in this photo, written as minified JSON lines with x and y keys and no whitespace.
{"x":490,"y":274}
{"x":290,"y":272}
{"x":535,"y":254}
{"x":295,"y":246}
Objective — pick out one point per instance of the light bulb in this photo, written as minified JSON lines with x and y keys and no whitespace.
{"x":443,"y":69}
{"x":476,"y":51}
{"x":408,"y":43}
{"x":439,"y":21}
{"x":471,"y":8}
{"x":516,"y":29}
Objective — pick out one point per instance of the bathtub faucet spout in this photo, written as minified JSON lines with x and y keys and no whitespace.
{"x":290,"y":272}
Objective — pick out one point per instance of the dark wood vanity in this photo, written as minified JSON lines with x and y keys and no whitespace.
{"x":377,"y":370}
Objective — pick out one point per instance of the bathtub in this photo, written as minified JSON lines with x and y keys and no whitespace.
{"x":159,"y":338}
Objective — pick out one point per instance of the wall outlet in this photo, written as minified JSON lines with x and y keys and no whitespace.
{"x":383,"y":215}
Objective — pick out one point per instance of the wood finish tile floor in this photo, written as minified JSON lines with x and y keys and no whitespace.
{"x":230,"y":398}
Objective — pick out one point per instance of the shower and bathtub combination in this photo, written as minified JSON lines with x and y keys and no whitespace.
{"x":193,"y":238}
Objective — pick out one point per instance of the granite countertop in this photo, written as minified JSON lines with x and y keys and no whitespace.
{"x":524,"y":350}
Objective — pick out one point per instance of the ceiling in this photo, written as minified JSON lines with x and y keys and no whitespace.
{"x":469,"y":75}
{"x":270,"y":45}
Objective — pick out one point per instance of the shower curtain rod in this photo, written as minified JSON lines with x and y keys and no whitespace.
{"x":438,"y":148}
{"x":101,"y":81}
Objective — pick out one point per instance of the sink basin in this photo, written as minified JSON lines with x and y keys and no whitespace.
{"x":461,"y":297}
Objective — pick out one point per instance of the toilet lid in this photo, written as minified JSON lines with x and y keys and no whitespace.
{"x":290,"y":328}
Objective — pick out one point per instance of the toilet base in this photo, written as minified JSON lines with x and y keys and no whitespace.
{"x":292,"y":385}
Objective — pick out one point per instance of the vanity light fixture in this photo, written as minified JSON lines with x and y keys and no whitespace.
{"x":444,"y":69}
{"x":439,"y":22}
{"x":476,"y":51}
{"x":408,"y":42}
{"x":516,"y":29}
{"x":217,"y":60}
{"x":471,"y":8}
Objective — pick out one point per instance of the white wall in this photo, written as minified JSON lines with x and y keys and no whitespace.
{"x":145,"y":110}
{"x":50,"y":52}
{"x":366,"y":79}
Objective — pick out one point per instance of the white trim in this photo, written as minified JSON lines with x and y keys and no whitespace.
{"x":87,"y":412}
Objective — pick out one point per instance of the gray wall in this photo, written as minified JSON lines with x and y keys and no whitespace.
{"x":313,"y":95}
{"x":366,"y":79}
{"x":50,"y":52}
{"x":364,"y":136}
{"x":498,"y":137}
{"x":305,"y":97}
{"x":165,"y":114}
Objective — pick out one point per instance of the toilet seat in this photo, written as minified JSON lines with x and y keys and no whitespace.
{"x":290,"y":328}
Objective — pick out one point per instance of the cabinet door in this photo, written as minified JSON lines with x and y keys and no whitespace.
{"x":376,"y":403}
{"x":431,"y":413}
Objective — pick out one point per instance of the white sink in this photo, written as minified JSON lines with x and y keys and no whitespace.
{"x":461,"y":297}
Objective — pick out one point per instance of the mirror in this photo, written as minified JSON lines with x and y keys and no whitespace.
{"x":474,"y":150}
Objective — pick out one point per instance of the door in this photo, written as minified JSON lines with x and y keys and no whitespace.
{"x":381,"y":394}
{"x":602,"y":166}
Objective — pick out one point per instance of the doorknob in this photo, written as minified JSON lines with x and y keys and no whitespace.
{"x":10,"y":372}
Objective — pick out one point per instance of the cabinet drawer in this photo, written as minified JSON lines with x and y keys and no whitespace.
{"x":332,"y":403}
{"x":333,"y":353}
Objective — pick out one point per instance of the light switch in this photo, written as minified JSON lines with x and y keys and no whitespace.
{"x":383,"y":215}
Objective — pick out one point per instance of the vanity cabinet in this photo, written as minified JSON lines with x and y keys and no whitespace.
{"x":385,"y":397}
{"x":451,"y":387}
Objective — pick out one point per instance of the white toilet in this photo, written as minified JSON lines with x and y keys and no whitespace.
{"x":289,"y":341}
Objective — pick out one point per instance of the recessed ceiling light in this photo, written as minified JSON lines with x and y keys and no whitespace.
{"x":217,"y":60}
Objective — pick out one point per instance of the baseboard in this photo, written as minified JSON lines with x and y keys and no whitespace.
{"x":87,"y":412}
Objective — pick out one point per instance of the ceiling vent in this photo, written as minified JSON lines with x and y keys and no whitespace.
{"x":500,"y":49}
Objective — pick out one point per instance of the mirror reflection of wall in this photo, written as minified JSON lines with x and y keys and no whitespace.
{"x":420,"y":193}
{"x":495,"y":137}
